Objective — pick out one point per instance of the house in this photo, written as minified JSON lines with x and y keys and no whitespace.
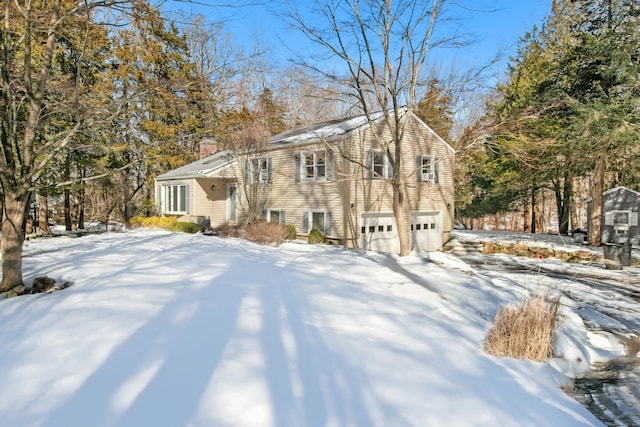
{"x":332,"y":176}
{"x":619,"y":221}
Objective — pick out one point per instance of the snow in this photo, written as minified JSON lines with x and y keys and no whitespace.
{"x":329,"y":130}
{"x":171,"y":329}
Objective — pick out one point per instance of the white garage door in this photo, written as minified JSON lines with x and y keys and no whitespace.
{"x":379,"y":232}
{"x":426,"y":231}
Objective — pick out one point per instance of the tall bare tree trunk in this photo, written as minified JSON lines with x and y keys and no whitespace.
{"x":595,"y":226}
{"x":43,"y":217}
{"x":526,"y":216}
{"x":533,"y":210}
{"x":401,"y":221}
{"x":13,"y":217}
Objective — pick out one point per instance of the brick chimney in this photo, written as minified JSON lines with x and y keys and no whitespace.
{"x":208,"y":147}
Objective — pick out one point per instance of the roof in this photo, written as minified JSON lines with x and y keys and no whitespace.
{"x":616,"y":189}
{"x":203,"y":168}
{"x":324,"y":130}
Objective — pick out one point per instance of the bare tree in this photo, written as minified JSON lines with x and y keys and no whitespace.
{"x":29,"y":41}
{"x":383,"y":45}
{"x":248,"y":144}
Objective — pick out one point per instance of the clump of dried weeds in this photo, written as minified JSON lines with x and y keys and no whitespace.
{"x":524,"y":331}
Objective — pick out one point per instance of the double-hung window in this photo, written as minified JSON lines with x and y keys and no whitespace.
{"x":174,"y":198}
{"x":378,"y":164}
{"x":275,"y":215}
{"x":318,"y":219}
{"x":621,"y":218}
{"x":427,"y":168}
{"x":314,"y":165}
{"x":258,"y":171}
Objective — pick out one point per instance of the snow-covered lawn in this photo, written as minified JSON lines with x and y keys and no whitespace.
{"x":168,"y":329}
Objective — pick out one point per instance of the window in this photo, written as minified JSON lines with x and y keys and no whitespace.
{"x":314,"y":165}
{"x":174,"y":198}
{"x":378,"y":164}
{"x":427,"y":168}
{"x":621,"y":217}
{"x":318,"y":219}
{"x":274,"y":215}
{"x":258,"y":171}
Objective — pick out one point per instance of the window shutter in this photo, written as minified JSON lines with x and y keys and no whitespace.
{"x":633,"y":219}
{"x":419,"y":168}
{"x":163,"y":190}
{"x":282,"y":222}
{"x":269,"y":170}
{"x":369,"y":164}
{"x":329,"y":164}
{"x":608,"y":218}
{"x":327,"y":223}
{"x":389,"y":166}
{"x":436,"y":170}
{"x":264,"y":215}
{"x":186,"y":199}
{"x":305,"y":222}
{"x":298,"y":160}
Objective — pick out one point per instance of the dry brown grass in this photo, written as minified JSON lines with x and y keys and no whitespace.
{"x":524,"y":331}
{"x":227,"y":230}
{"x":265,"y":233}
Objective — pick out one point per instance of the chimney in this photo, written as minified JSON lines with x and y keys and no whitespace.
{"x":208,"y":147}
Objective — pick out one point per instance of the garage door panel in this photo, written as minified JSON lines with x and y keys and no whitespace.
{"x":379,"y":233}
{"x":426,"y":231}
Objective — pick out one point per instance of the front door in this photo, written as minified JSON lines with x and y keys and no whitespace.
{"x":232,"y":203}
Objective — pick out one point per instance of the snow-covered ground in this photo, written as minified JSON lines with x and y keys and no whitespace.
{"x":170,"y":329}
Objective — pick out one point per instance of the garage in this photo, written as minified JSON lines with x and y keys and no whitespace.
{"x":426,"y":231}
{"x":379,"y":232}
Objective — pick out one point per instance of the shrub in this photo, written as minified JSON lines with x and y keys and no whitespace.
{"x":292,"y":234}
{"x":265,"y":233}
{"x":315,"y":236}
{"x":154,"y":222}
{"x":524,"y":331}
{"x":227,"y":230}
{"x":186,"y":227}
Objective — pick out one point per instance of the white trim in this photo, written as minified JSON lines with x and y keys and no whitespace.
{"x":303,"y":165}
{"x":280,"y":211}
{"x":429,"y":176}
{"x":182,"y":199}
{"x":438,"y":137}
{"x":620,"y":225}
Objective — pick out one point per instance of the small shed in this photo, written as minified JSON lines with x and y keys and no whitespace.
{"x":619,"y":221}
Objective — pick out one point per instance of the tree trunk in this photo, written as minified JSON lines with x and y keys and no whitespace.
{"x":13,"y":217}
{"x":81,"y":207}
{"x":533,"y":210}
{"x":401,"y":222}
{"x":68,"y":224}
{"x":526,"y":217}
{"x":562,"y":192}
{"x":595,"y":225}
{"x":43,"y":217}
{"x":567,"y":193}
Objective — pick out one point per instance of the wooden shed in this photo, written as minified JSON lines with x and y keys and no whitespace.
{"x":620,"y":207}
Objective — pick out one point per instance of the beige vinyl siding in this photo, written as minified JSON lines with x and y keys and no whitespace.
{"x":209,"y":202}
{"x":347,"y":195}
{"x":297,"y":198}
{"x":350,"y":192}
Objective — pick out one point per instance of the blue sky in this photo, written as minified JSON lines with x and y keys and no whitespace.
{"x":493,"y":26}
